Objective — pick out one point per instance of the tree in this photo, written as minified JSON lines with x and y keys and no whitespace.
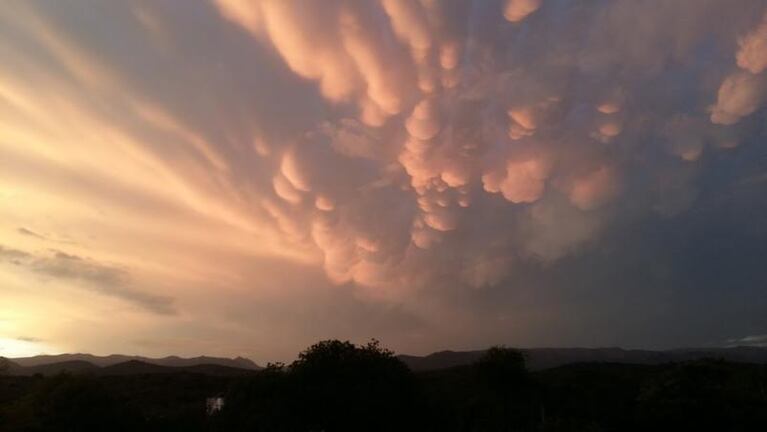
{"x":263,"y":402}
{"x":70,"y":403}
{"x":342,"y":386}
{"x":504,"y":390}
{"x":332,"y":386}
{"x":502,"y":370}
{"x":706,"y":394}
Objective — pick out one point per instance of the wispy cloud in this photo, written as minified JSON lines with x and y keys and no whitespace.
{"x":29,"y":339}
{"x":753,"y":340}
{"x":102,"y":278}
{"x":28,"y":232}
{"x":12,"y":255}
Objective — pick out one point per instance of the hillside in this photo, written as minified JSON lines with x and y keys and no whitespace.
{"x":136,"y":367}
{"x":545,"y":358}
{"x":69,"y":366}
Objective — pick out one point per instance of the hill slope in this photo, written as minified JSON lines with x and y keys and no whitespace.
{"x":545,"y":358}
{"x":136,"y":367}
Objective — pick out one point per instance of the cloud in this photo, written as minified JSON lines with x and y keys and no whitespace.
{"x":753,"y":340}
{"x":517,"y":10}
{"x":403,"y":149}
{"x":31,"y":233}
{"x":455,"y":116}
{"x":752,"y":55}
{"x":523,"y":181}
{"x":13,"y":255}
{"x":422,"y":117}
{"x":740,"y":95}
{"x":29,"y":339}
{"x":102,"y":278}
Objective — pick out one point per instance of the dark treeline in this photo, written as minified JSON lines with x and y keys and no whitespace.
{"x":338,"y":386}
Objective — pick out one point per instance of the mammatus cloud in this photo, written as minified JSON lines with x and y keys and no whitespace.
{"x":742,"y":92}
{"x":431,"y":115}
{"x":752,"y":55}
{"x":517,"y":10}
{"x":462,"y":117}
{"x":739,"y":96}
{"x":412,"y":151}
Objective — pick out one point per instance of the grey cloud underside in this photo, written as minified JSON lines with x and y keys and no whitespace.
{"x":99,"y":277}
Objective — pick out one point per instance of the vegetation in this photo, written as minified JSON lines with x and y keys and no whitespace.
{"x":339,"y":386}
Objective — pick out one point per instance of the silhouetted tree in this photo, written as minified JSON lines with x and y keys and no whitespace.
{"x":705,"y":395}
{"x":71,"y":403}
{"x":332,"y":386}
{"x":342,"y":386}
{"x":264,"y":402}
{"x":502,"y":370}
{"x":504,"y":390}
{"x":339,"y":386}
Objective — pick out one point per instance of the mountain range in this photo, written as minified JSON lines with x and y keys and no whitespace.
{"x":536,"y":358}
{"x":546,"y":358}
{"x":128,"y":365}
{"x":103,"y":361}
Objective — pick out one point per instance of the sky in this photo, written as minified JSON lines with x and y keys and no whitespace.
{"x":234,"y":177}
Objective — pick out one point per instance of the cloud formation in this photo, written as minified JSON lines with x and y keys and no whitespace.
{"x":31,"y":233}
{"x":518,"y":10}
{"x":460,"y":110}
{"x":102,"y":278}
{"x":409,"y":151}
{"x":754,"y":340}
